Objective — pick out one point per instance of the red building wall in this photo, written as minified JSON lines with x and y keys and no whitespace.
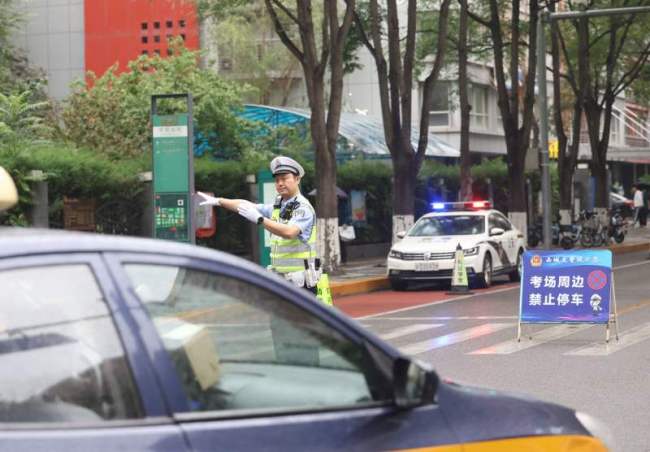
{"x":122,"y":30}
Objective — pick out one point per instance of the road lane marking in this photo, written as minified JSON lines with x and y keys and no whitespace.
{"x":453,"y":338}
{"x":633,"y":336}
{"x":409,"y":329}
{"x":634,"y":264}
{"x":540,"y":337}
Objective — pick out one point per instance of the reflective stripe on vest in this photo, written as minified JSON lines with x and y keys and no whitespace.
{"x":289,"y":255}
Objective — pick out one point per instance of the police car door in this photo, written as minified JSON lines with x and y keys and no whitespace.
{"x":498,"y":242}
{"x":509,"y":241}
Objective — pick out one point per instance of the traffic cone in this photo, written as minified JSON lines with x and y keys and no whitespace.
{"x":459,"y":283}
{"x":323,"y":292}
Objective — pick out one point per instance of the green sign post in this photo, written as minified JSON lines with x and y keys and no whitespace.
{"x":266,"y":194}
{"x":173,"y":171}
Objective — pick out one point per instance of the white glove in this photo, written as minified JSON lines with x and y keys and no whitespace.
{"x":207,"y":200}
{"x":249,"y":211}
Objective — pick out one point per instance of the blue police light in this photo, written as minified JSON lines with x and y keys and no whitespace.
{"x":467,"y":205}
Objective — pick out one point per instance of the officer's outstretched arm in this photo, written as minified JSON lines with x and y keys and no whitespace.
{"x":231,"y":204}
{"x":286,"y":231}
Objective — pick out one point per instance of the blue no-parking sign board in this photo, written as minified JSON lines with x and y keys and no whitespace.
{"x":566,"y":287}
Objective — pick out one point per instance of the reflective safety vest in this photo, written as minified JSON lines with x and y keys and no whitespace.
{"x":289,"y":255}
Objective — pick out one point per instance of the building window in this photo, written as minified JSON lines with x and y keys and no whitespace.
{"x":169,"y":24}
{"x":144,"y":39}
{"x":144,"y":26}
{"x":183,"y":36}
{"x":181,"y":23}
{"x":156,"y":25}
{"x":156,"y":38}
{"x":439,"y":105}
{"x":614,"y":128}
{"x":157,"y":52}
{"x":478,"y":116}
{"x":145,"y":52}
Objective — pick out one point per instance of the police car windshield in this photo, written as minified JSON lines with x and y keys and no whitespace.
{"x":448,"y":225}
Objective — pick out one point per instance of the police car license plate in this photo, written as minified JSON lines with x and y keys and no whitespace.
{"x":426,"y":266}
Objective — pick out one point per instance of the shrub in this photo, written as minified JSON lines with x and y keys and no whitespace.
{"x":111,"y":112}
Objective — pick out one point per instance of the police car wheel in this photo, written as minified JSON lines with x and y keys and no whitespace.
{"x":485,"y":278}
{"x":515,"y":275}
{"x":398,"y":285}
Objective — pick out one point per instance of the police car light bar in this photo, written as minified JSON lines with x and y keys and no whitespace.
{"x":469,"y":205}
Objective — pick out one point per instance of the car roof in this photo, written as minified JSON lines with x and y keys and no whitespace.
{"x":15,"y":241}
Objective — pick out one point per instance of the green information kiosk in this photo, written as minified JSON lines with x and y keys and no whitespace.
{"x":173,"y":171}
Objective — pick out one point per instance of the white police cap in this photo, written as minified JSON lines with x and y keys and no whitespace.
{"x":283,"y":165}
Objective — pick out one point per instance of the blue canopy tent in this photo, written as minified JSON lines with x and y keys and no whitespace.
{"x":361,"y":134}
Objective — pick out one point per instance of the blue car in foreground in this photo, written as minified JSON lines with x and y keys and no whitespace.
{"x":124,"y":344}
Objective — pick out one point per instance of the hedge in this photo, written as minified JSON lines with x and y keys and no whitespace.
{"x":118,"y":192}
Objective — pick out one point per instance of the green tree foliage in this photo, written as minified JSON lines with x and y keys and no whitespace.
{"x":246,"y":41}
{"x":21,"y":120}
{"x":110,"y":113}
{"x":15,"y":73}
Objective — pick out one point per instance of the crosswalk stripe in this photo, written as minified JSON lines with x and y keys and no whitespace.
{"x":626,"y":339}
{"x":410,"y":329}
{"x":540,"y":337}
{"x":454,"y":338}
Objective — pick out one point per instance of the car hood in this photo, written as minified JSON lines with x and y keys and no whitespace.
{"x":478,"y":414}
{"x":440,"y":244}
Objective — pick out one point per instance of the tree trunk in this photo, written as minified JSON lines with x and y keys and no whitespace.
{"x":465,"y":107}
{"x":404,"y":179}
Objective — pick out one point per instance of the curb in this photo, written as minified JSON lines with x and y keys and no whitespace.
{"x":356,"y":286}
{"x":365,"y":285}
{"x":622,"y":249}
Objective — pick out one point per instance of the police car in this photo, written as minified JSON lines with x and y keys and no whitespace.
{"x":491,"y":245}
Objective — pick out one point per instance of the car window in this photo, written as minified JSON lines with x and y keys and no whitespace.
{"x":61,"y":359}
{"x":237,"y":346}
{"x":448,"y":225}
{"x":503,"y":222}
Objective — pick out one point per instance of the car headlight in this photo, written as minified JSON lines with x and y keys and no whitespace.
{"x":395,"y":254}
{"x":471,"y":251}
{"x":597,"y":428}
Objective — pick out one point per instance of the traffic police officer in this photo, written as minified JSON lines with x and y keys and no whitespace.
{"x":290,"y":220}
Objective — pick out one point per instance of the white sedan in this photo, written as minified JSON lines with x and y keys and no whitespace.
{"x":491,"y":246}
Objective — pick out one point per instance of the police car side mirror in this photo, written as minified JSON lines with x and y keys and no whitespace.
{"x":497,"y":231}
{"x":414,"y":384}
{"x":8,"y":192}
{"x":401,"y":234}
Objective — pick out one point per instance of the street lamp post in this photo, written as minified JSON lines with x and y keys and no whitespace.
{"x":546,"y":17}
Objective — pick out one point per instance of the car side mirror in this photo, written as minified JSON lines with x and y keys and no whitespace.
{"x":413,"y":384}
{"x":497,"y":231}
{"x":401,"y":234}
{"x":8,"y":192}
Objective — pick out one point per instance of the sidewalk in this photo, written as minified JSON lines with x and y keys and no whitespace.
{"x":367,"y":275}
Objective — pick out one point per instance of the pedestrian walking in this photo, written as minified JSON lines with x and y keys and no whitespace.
{"x":640,"y":207}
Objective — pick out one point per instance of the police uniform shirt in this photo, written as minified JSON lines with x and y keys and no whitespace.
{"x":303,"y":215}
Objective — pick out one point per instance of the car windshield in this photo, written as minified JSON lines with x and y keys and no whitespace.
{"x":448,"y":225}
